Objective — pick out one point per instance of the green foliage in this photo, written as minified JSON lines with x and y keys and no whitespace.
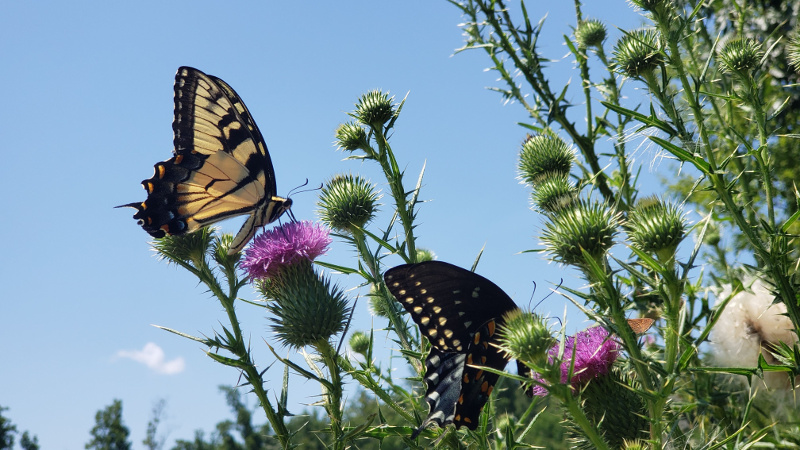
{"x":237,"y":434}
{"x":28,"y":442}
{"x":109,"y":432}
{"x":7,"y":431}
{"x":152,"y":441}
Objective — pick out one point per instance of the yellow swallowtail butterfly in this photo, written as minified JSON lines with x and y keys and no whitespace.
{"x":221,"y":167}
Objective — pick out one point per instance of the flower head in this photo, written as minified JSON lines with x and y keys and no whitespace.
{"x":594,"y":354}
{"x":542,"y":155}
{"x":581,"y":226}
{"x":359,"y":342}
{"x":351,"y":136}
{"x":741,"y":56}
{"x":271,"y":252}
{"x":657,"y":227}
{"x":748,"y":326}
{"x":637,"y":53}
{"x":590,"y":33}
{"x":554,"y":193}
{"x":374,"y":108}
{"x":525,"y":336}
{"x":347,"y":203}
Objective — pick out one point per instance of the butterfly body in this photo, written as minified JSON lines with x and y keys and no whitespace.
{"x":221,"y":167}
{"x":459,"y":312}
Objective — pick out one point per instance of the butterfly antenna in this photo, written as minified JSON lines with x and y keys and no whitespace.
{"x":546,"y":296}
{"x":297,"y":191}
{"x":347,"y":327}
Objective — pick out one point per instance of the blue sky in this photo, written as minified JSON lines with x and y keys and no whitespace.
{"x":87,"y":112}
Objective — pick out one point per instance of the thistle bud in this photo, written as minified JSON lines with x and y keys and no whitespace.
{"x":793,"y":50}
{"x":424,"y":254}
{"x":583,"y":226}
{"x":347,"y":203}
{"x":544,"y":154}
{"x":553,"y":194}
{"x":649,"y":5}
{"x":741,"y":57}
{"x":359,"y":342}
{"x":590,"y":33}
{"x":525,"y":336}
{"x":351,"y":136}
{"x":191,"y":247}
{"x":656,"y":227}
{"x":637,"y":53}
{"x":374,"y":109}
{"x":381,"y":306}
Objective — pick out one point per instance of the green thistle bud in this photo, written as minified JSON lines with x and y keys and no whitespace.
{"x":359,"y":342}
{"x":553,"y":193}
{"x":503,"y":421}
{"x":793,"y":49}
{"x":423,"y":254}
{"x":351,"y":136}
{"x":374,"y":109}
{"x":618,"y":411}
{"x":191,"y":247}
{"x":380,"y":305}
{"x":582,"y":226}
{"x":347,"y":203}
{"x":307,"y":309}
{"x":712,"y":236}
{"x":526,"y":337}
{"x":637,"y":53}
{"x":656,"y":227}
{"x":590,"y":33}
{"x":650,"y":5}
{"x":544,"y":154}
{"x":740,"y":56}
{"x":635,"y":445}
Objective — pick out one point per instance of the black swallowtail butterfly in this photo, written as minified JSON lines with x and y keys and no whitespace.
{"x":459,"y":312}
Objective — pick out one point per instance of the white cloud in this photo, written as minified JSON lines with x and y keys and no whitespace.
{"x":153,"y":357}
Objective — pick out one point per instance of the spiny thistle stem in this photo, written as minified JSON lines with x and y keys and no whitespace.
{"x":394,"y":176}
{"x":395,"y":319}
{"x":333,"y":394}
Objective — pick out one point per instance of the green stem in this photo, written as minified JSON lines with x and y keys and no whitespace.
{"x":405,"y":208}
{"x":333,"y":396}
{"x":252,"y":375}
{"x":399,"y":325}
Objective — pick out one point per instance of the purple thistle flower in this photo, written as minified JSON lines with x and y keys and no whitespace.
{"x":594,"y":355}
{"x":284,"y":246}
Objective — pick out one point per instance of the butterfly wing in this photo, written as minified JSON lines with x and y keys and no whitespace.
{"x":221,"y":166}
{"x":458,"y":311}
